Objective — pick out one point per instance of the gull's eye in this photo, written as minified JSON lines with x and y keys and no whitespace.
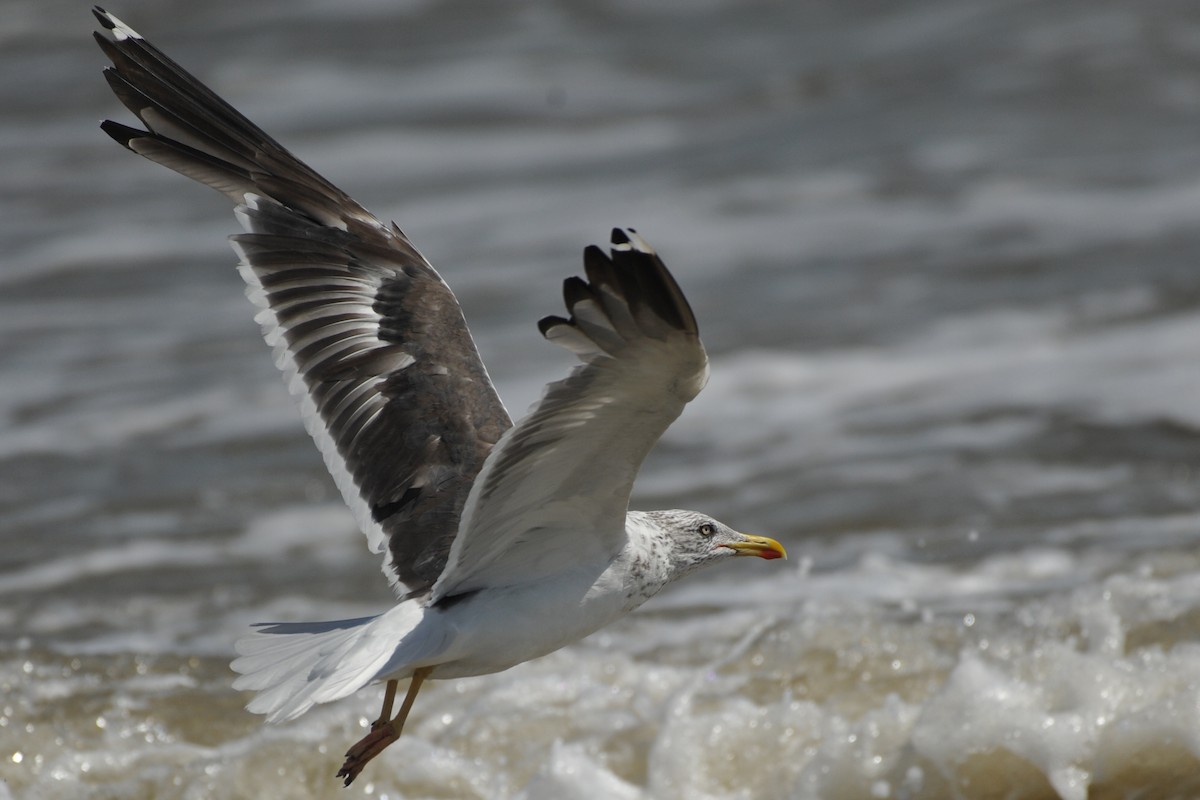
{"x":707,"y":529}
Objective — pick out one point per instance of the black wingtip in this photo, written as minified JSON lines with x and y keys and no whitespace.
{"x":121,"y":134}
{"x":546,"y":323}
{"x":103,"y":17}
{"x":575,"y":290}
{"x":619,"y":236}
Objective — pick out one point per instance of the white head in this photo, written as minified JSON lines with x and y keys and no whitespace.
{"x":698,"y":540}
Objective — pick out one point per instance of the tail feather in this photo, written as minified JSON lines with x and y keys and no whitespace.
{"x":267,"y":654}
{"x":293,"y":666}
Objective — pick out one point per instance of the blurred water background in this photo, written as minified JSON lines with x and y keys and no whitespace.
{"x":944,"y":257}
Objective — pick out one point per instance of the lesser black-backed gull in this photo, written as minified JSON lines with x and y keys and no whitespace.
{"x":503,"y":542}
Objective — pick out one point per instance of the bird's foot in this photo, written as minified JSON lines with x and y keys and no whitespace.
{"x":384,"y":730}
{"x":365,"y":749}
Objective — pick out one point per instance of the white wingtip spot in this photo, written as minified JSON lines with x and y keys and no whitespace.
{"x":638,"y":242}
{"x":635,"y":243}
{"x":120,"y":30}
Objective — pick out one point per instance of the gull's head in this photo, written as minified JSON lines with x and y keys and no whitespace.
{"x":698,"y":539}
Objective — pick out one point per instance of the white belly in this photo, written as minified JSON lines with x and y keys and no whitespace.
{"x":495,"y":629}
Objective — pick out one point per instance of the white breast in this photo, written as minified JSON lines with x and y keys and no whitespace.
{"x":497,"y":628}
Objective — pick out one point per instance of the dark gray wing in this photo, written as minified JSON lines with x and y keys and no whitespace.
{"x":370,"y":338}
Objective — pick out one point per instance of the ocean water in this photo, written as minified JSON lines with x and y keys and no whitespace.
{"x":946,"y":261}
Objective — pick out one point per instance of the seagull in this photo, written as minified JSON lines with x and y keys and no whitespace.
{"x":502,"y":542}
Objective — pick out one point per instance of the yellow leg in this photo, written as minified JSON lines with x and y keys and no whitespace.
{"x":384,"y":731}
{"x":389,"y":697}
{"x":418,"y":678}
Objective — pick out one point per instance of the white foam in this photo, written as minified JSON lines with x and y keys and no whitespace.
{"x":1041,"y":670}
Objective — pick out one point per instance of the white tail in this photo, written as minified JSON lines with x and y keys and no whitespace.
{"x":294,"y":665}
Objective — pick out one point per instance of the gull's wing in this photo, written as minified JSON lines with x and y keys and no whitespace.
{"x":370,"y":338}
{"x":555,"y":490}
